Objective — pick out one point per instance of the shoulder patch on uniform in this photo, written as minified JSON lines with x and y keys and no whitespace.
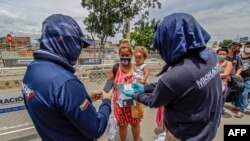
{"x":84,"y":105}
{"x":28,"y":92}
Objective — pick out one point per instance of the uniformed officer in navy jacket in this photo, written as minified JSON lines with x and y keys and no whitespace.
{"x":191,"y":91}
{"x":56,"y":100}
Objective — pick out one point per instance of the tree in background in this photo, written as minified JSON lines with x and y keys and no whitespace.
{"x":104,"y":19}
{"x":131,"y":8}
{"x":226,"y":43}
{"x":143,"y":33}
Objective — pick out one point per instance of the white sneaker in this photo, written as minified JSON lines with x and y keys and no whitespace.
{"x":161,"y":137}
{"x":248,"y":107}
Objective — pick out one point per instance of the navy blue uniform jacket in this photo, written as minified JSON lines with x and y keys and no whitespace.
{"x":58,"y":103}
{"x":191,"y":90}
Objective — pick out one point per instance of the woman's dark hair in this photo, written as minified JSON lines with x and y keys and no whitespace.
{"x":222,"y":49}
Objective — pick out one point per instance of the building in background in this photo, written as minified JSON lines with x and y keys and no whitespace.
{"x":18,"y":42}
{"x":17,"y":53}
{"x":244,"y":39}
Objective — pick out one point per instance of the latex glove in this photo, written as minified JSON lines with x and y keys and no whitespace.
{"x":137,"y":87}
{"x":128,"y":93}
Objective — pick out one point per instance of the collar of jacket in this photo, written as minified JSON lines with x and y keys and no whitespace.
{"x":45,"y":55}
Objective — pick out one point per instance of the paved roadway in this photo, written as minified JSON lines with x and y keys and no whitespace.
{"x":147,"y":127}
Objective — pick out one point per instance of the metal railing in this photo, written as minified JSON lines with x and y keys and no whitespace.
{"x":92,"y":76}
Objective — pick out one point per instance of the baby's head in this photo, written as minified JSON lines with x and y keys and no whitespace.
{"x":141,"y":54}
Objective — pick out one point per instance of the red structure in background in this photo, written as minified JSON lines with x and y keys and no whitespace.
{"x":9,"y":38}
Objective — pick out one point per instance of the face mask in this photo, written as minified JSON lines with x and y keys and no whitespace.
{"x":237,"y":52}
{"x":125,"y":60}
{"x":222,"y":57}
{"x":247,"y":50}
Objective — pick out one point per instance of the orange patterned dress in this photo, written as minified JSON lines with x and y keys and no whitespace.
{"x":123,"y":115}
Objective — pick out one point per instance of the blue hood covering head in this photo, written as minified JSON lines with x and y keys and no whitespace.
{"x":62,"y":36}
{"x":178,"y":34}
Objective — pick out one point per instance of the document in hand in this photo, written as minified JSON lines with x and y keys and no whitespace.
{"x":123,"y":100}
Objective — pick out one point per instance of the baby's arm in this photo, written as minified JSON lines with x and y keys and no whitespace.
{"x":145,"y":75}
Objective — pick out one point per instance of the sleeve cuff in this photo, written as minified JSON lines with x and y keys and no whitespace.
{"x":107,"y":102}
{"x":146,"y":88}
{"x":135,"y":96}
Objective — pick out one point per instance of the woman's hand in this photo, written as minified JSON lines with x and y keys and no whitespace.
{"x":142,"y":81}
{"x":128,"y":76}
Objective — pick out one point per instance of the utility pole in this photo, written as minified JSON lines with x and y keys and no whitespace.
{"x":237,"y":38}
{"x":128,"y":28}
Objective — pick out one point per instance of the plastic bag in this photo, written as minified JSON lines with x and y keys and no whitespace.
{"x":112,"y":128}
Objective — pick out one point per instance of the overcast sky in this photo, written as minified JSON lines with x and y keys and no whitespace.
{"x":223,"y":19}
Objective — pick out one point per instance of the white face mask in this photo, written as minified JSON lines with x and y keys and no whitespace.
{"x":222,"y":57}
{"x":247,"y":50}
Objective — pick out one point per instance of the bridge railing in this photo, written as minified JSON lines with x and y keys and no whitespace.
{"x":13,"y":115}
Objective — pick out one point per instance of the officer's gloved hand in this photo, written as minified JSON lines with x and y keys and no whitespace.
{"x":126,"y":92}
{"x":137,"y":87}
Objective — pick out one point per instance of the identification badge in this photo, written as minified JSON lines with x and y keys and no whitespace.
{"x":123,"y":100}
{"x":127,"y":87}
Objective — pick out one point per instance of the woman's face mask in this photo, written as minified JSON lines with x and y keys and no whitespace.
{"x":247,"y":50}
{"x":221,"y":57}
{"x":125,"y":60}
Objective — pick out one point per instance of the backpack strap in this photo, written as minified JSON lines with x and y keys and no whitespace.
{"x":115,"y":69}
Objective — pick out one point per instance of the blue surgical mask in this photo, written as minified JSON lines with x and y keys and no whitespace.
{"x":221,"y":57}
{"x":125,"y":60}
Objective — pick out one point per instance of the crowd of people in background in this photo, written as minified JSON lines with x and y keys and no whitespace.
{"x":234,"y":61}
